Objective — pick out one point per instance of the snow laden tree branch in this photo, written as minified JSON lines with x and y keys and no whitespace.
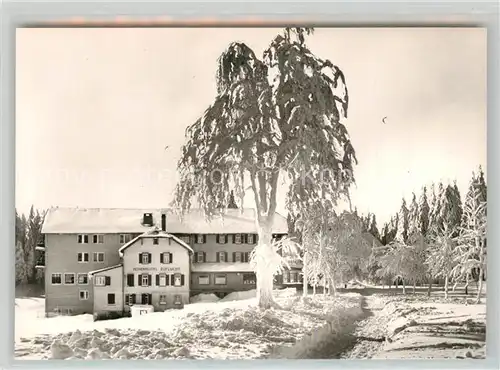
{"x":336,"y":246}
{"x":470,"y":252}
{"x":441,"y":256}
{"x":279,"y":116}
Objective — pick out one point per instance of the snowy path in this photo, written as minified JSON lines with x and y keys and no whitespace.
{"x":403,"y":327}
{"x":369,"y":336}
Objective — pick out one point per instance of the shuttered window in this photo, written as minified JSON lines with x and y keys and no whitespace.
{"x":177,"y":280}
{"x":144,"y":258}
{"x":144,"y":280}
{"x":222,"y":257}
{"x":200,"y":257}
{"x":222,"y":238}
{"x":201,"y":239}
{"x":166,"y":257}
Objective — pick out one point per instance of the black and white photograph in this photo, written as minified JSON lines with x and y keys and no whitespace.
{"x":249,"y":193}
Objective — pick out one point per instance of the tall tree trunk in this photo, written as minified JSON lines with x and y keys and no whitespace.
{"x":264,"y":272}
{"x":304,"y":275}
{"x":404,"y":285}
{"x":333,"y":288}
{"x":414,"y":285}
{"x":429,"y":288}
{"x":314,"y":288}
{"x":480,"y":288}
{"x":446,"y":279}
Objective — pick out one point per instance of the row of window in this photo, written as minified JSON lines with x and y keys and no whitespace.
{"x":221,"y":279}
{"x":102,"y":280}
{"x":99,"y":238}
{"x":70,"y":278}
{"x":162,"y":280}
{"x":198,"y":238}
{"x":130,"y":299}
{"x":147,"y":298}
{"x":221,"y":238}
{"x":83,"y":257}
{"x":222,"y":256}
{"x":145,"y":258}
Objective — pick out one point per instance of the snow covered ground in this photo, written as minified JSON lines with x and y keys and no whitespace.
{"x":418,"y":327}
{"x":393,"y":326}
{"x":232,"y":328}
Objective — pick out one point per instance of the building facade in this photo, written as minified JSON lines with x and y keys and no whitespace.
{"x":106,"y":260}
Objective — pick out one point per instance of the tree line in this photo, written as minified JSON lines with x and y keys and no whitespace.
{"x":28,"y":235}
{"x":436,"y":237}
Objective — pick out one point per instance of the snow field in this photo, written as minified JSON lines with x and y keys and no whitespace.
{"x":232,"y":328}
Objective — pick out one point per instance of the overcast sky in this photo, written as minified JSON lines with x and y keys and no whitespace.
{"x":95,"y":109}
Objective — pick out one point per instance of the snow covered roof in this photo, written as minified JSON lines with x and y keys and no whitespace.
{"x":154,"y":232}
{"x":104,"y":269}
{"x":61,"y":220}
{"x":222,"y":267}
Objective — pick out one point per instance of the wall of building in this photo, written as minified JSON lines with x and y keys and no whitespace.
{"x":234,"y":283}
{"x":100,"y":294}
{"x":61,"y":256}
{"x":180,"y":264}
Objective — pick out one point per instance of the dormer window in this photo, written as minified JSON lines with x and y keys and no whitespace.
{"x":147,"y":219}
{"x":155,"y":241}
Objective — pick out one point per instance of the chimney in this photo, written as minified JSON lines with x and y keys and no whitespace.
{"x":147,"y":219}
{"x":164,"y":222}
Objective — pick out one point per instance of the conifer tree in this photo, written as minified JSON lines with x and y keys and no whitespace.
{"x":402,"y":223}
{"x":384,"y":234}
{"x":436,"y":211}
{"x":432,"y":208}
{"x":413,"y":213}
{"x":373,"y":227}
{"x":423,"y":213}
{"x":451,"y":209}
